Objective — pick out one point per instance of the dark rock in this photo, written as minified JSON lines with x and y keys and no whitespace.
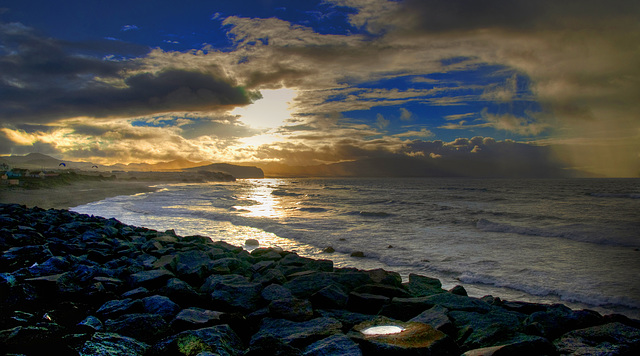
{"x":383,"y":289}
{"x":237,"y":296}
{"x":181,"y":292}
{"x":270,"y":276}
{"x":388,"y":278}
{"x":252,"y":242}
{"x":438,"y":318}
{"x":36,"y":340}
{"x":143,"y":327}
{"x":414,"y":339}
{"x":150,"y":279}
{"x":219,"y":340}
{"x":90,"y":324}
{"x":358,"y":254}
{"x":297,"y":334}
{"x":274,"y":292}
{"x":559,"y":319}
{"x":270,"y":345}
{"x":306,"y":285}
{"x":192,"y":266}
{"x":523,"y":307}
{"x":262,"y":266}
{"x":525,"y":346}
{"x":330,"y":297}
{"x":115,"y":308}
{"x":292,"y":309}
{"x":608,"y":339}
{"x":329,"y":249}
{"x":459,"y":290}
{"x":214,"y":280}
{"x":137,"y":293}
{"x":195,"y":318}
{"x":347,"y":318}
{"x":406,"y":308}
{"x":333,"y":345}
{"x":159,"y":304}
{"x":421,"y":286}
{"x":367,"y":303}
{"x":458,"y":302}
{"x":487,"y":329}
{"x":266,"y":254}
{"x":110,"y":344}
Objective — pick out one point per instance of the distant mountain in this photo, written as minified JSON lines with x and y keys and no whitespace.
{"x":236,"y":171}
{"x":38,"y":161}
{"x":32,"y":161}
{"x":175,"y":165}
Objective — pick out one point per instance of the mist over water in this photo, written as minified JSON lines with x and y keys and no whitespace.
{"x":574,"y":241}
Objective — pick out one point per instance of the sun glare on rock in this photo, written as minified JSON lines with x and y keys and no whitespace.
{"x":382,"y":330}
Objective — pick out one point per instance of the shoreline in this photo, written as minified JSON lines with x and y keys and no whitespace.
{"x":74,"y":194}
{"x":82,"y":284}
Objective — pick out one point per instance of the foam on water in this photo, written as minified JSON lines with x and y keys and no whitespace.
{"x":570,"y":241}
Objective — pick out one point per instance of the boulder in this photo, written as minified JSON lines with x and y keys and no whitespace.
{"x":142,"y":327}
{"x":338,"y":344}
{"x":195,"y":318}
{"x":482,"y":330}
{"x":292,"y":309}
{"x":458,"y":302}
{"x":150,"y":279}
{"x":237,"y":296}
{"x":159,"y":304}
{"x":559,"y":319}
{"x":110,"y":344}
{"x":274,"y":292}
{"x":218,"y":340}
{"x":115,"y":308}
{"x":421,"y":286}
{"x":526,"y":345}
{"x":438,"y":318}
{"x":607,"y":339}
{"x":269,"y":345}
{"x":330,"y":297}
{"x":367,"y":303}
{"x":297,"y":334}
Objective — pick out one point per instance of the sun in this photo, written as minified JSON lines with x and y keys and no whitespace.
{"x":269,"y":112}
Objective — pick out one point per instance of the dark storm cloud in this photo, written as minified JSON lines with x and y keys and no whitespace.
{"x":460,"y":15}
{"x":42,"y":80}
{"x":145,"y":93}
{"x":27,"y":56}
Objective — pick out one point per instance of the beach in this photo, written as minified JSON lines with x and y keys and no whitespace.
{"x":74,"y":194}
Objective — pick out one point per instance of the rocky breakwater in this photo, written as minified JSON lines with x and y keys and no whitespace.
{"x":81,"y":285}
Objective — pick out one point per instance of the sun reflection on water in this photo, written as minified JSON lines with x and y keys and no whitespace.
{"x":266,"y":204}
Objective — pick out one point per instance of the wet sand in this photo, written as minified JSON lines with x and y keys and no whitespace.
{"x":68,"y":196}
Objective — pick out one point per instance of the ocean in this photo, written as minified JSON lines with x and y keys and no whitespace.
{"x":570,"y":241}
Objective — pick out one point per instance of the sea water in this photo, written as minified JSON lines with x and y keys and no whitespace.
{"x":570,"y":241}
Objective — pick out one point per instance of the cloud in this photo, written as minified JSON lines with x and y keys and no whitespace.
{"x":381,"y":122}
{"x":44,"y":80}
{"x":405,"y":115}
{"x":126,"y":28}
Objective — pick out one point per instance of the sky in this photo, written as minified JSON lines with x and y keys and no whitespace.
{"x":299,"y":83}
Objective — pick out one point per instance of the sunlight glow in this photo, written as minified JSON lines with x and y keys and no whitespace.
{"x":266,"y":204}
{"x":269,"y":112}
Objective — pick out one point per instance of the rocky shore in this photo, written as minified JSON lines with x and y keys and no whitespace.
{"x":73,"y":284}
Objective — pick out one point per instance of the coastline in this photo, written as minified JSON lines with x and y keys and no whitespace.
{"x":84,"y":284}
{"x":74,"y":194}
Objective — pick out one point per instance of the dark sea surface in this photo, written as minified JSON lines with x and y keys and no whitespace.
{"x":570,"y":241}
